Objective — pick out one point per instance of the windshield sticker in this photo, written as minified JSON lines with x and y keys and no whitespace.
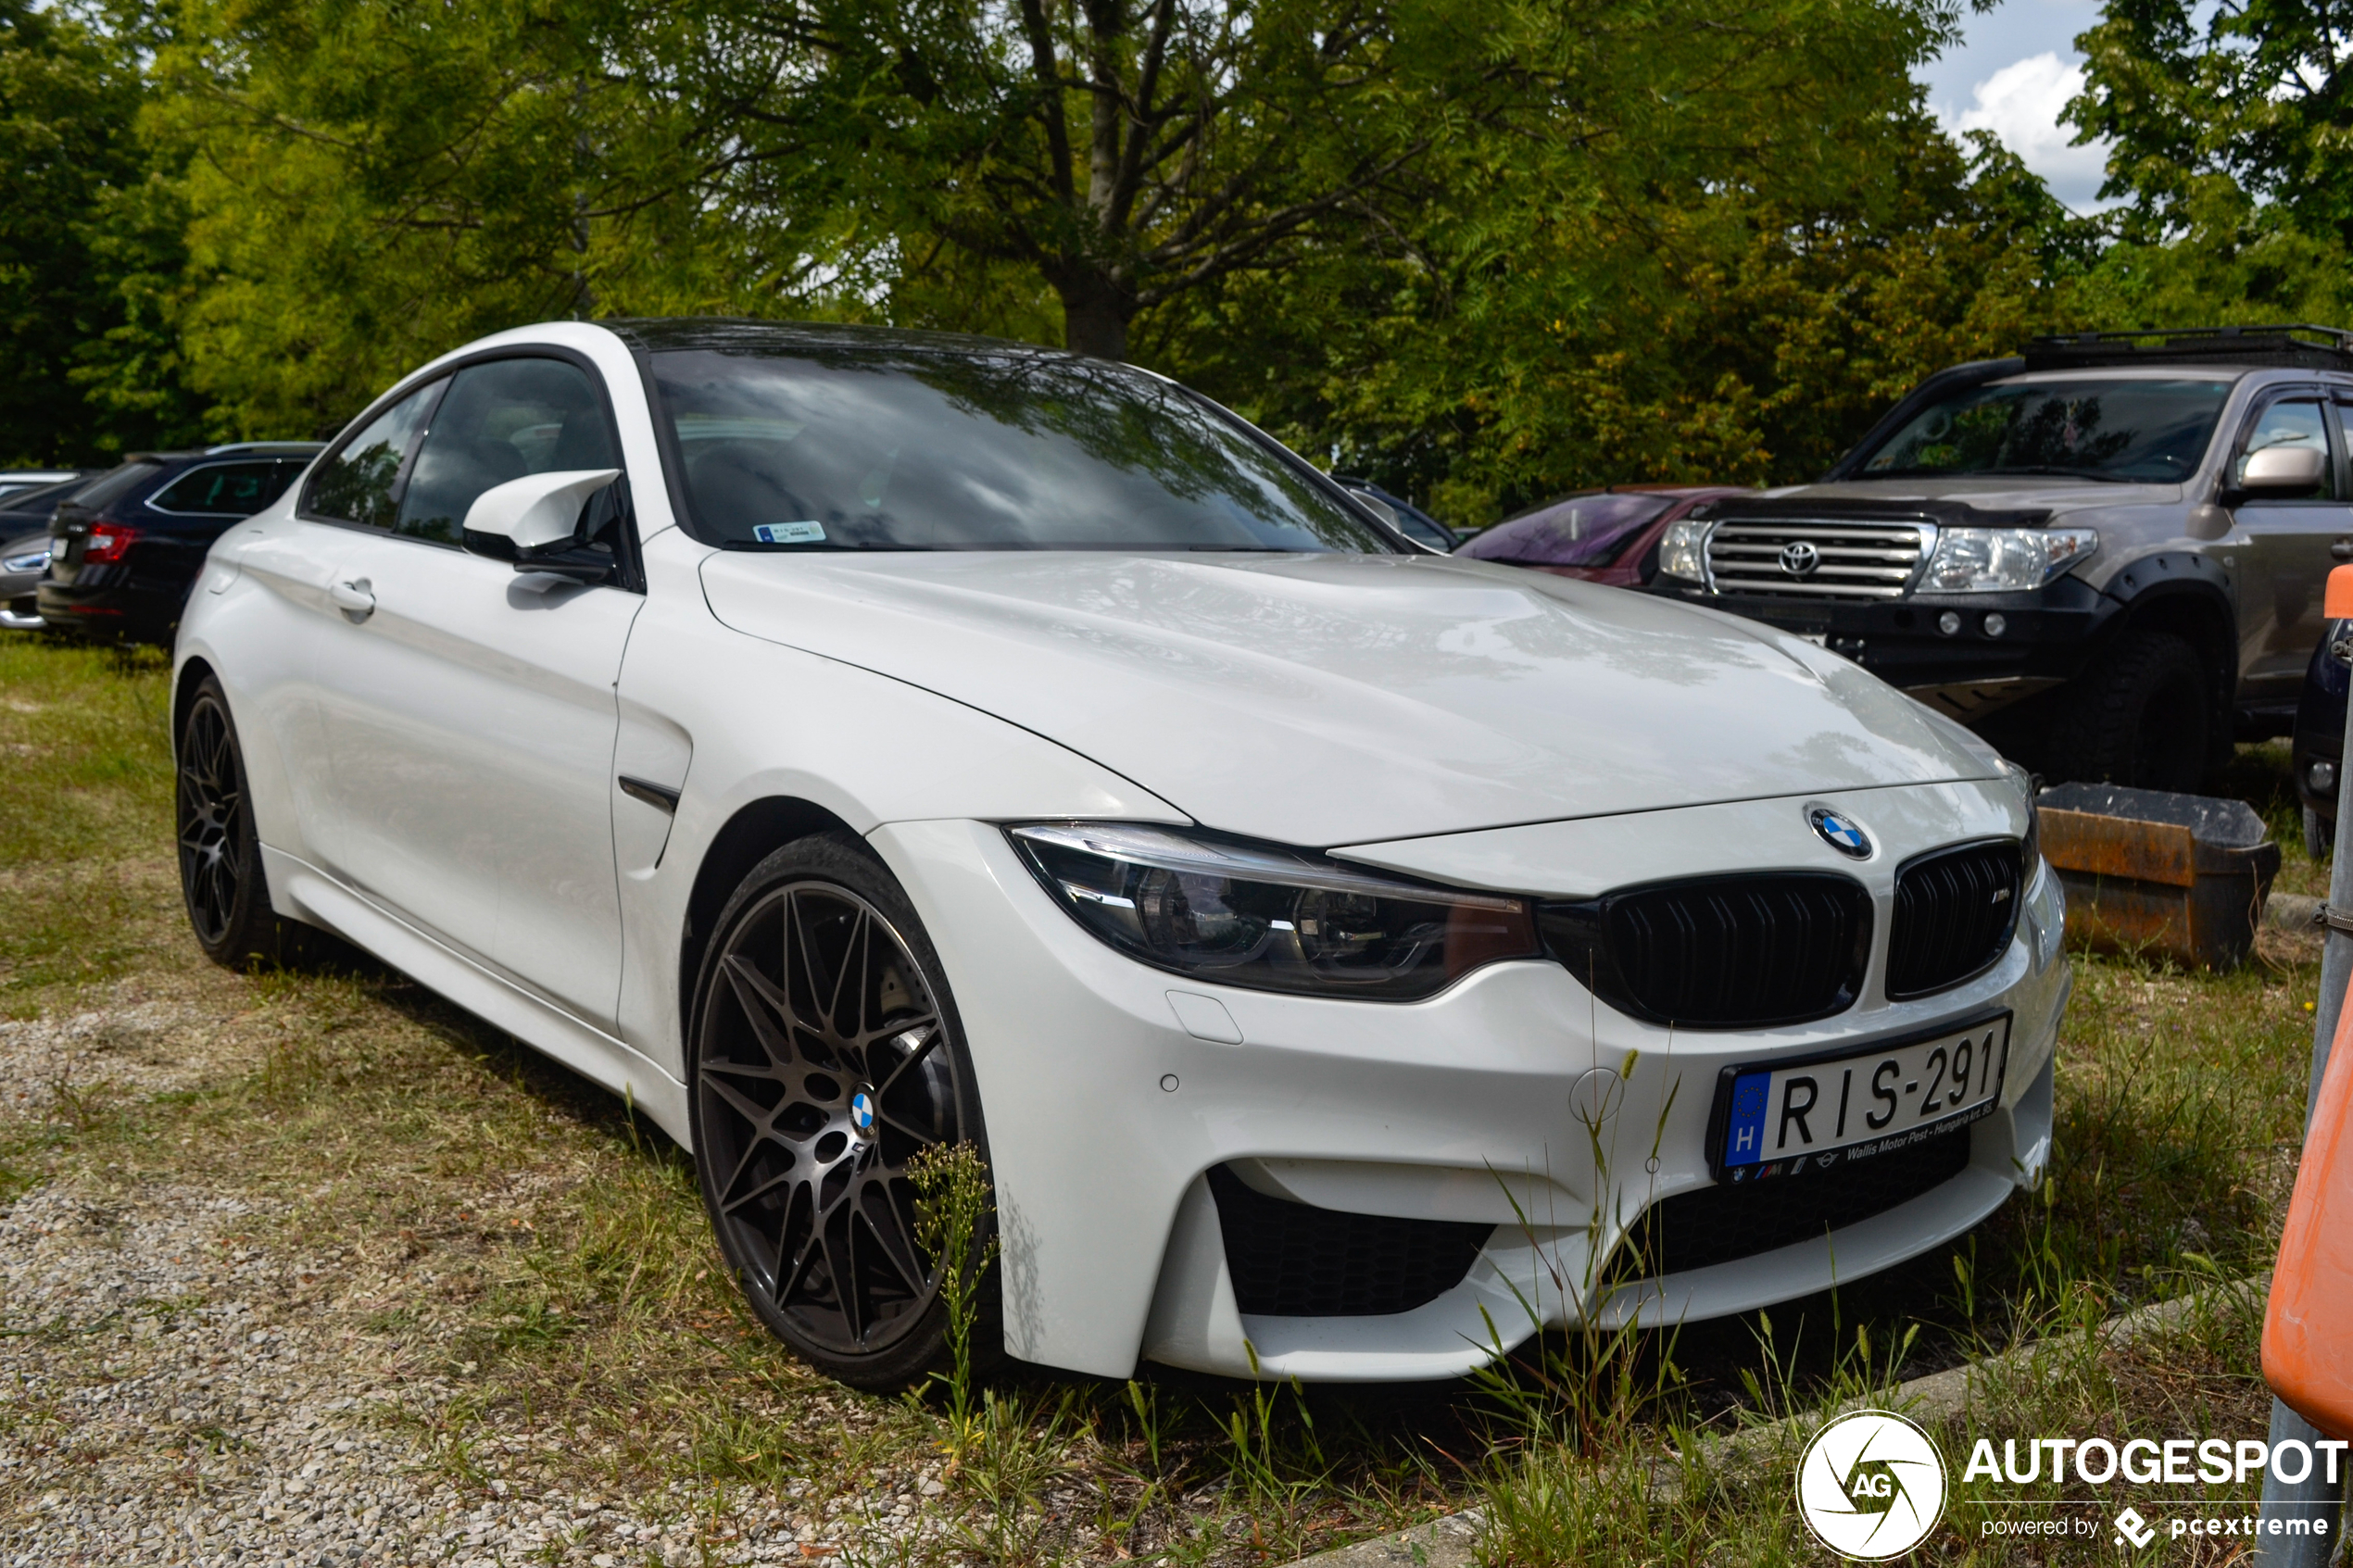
{"x":790,"y":533}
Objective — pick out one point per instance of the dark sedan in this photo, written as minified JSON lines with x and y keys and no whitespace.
{"x":125,"y":551}
{"x":25,"y":511}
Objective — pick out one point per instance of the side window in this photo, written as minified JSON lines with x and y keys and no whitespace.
{"x":355,"y":482}
{"x":224,"y":489}
{"x":502,"y":421}
{"x":2290,"y":424}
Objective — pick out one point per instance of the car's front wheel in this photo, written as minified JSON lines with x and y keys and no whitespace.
{"x":827,"y":1058}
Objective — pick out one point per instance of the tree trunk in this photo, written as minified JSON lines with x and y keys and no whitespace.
{"x":1094,"y":317}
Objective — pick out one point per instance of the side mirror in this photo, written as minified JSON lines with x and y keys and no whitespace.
{"x":535,"y":512}
{"x":2283,"y":470}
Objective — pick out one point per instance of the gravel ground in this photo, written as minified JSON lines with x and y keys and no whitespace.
{"x":171,"y":1394}
{"x":142,"y":1046}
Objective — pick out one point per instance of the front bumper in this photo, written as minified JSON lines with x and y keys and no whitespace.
{"x":2045,"y":638}
{"x":1104,"y":1112}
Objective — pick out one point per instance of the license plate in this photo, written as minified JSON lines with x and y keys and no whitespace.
{"x":1812,"y":1117}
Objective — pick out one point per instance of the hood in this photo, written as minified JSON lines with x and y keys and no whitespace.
{"x":1335,"y":699}
{"x":1946,"y":499}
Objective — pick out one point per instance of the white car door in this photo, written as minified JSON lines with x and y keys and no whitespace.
{"x":280,"y":632}
{"x":469,"y":709}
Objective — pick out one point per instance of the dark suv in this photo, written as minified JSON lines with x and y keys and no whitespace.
{"x":2106,"y":555}
{"x":124,"y":552}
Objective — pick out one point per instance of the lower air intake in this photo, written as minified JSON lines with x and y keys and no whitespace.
{"x":1719,"y":1224}
{"x":1292,"y":1260}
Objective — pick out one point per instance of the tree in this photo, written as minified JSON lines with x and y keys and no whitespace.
{"x":1739,"y":316}
{"x":371,"y":185}
{"x":87,"y":240}
{"x":1122,"y":151}
{"x":2253,"y":97}
{"x":1137,"y":154}
{"x":2229,"y":124}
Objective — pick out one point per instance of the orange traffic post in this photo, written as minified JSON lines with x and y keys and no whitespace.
{"x":2308,"y":1327}
{"x":2312,"y":1348}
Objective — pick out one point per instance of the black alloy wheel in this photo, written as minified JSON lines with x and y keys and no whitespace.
{"x":212,"y":820}
{"x":220,"y":875}
{"x":826,"y":1058}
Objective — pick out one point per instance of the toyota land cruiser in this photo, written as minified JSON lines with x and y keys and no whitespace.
{"x":2106,"y":555}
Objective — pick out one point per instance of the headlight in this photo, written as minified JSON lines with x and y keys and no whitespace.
{"x":32,"y":561}
{"x":2031,"y":851}
{"x":1682,"y":550}
{"x":1270,"y":919}
{"x":1993,"y":561}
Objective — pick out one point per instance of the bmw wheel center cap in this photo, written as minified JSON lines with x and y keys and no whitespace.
{"x":861,"y":1113}
{"x":1840,"y":832}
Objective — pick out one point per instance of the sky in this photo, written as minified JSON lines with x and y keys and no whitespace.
{"x":2014,"y":68}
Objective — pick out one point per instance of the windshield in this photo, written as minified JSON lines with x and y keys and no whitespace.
{"x":875,"y":448}
{"x":2093,"y":428}
{"x":1580,"y":531}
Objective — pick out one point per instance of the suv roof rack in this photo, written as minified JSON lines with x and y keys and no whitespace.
{"x":2295,"y":345}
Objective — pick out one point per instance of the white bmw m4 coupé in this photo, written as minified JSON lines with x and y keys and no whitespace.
{"x":851,"y":743}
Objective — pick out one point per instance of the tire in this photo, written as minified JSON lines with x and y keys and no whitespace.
{"x":812,"y":1205}
{"x":2141,"y":716}
{"x":221,"y":882}
{"x":2316,"y":836}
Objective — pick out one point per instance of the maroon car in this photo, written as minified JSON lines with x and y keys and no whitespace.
{"x":1609,"y":535}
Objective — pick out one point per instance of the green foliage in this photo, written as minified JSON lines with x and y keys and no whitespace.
{"x":2251,"y":99}
{"x":372,"y":184}
{"x":89,"y":245}
{"x":1123,"y":154}
{"x":2229,"y":125}
{"x":1483,"y":254}
{"x":1709,"y":332}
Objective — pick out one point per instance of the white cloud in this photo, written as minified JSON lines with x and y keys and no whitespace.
{"x":2021,"y":104}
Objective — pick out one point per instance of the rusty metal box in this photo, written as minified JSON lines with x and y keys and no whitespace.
{"x":2148,"y":871}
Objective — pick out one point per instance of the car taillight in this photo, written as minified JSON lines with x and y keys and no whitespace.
{"x":108,"y":541}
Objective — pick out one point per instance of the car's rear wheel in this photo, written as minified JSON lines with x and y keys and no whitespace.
{"x":220,"y":874}
{"x":2141,"y":716}
{"x":827,"y":1057}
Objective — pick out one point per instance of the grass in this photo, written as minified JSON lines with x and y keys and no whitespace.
{"x":498,"y":1230}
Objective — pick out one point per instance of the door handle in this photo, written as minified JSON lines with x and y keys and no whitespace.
{"x":2342,"y":549}
{"x":354,"y":598}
